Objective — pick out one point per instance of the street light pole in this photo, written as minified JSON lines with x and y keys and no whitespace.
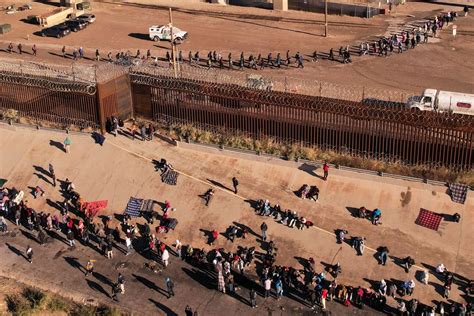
{"x":173,"y":49}
{"x":325,"y":18}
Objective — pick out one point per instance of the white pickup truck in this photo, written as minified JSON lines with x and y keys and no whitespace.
{"x":163,"y":33}
{"x":443,"y":101}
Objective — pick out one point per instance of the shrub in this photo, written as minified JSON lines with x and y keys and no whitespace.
{"x":57,"y":304}
{"x":35,"y":297}
{"x":9,"y":114}
{"x":18,"y":305}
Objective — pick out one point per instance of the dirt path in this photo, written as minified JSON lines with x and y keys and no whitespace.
{"x":94,"y":172}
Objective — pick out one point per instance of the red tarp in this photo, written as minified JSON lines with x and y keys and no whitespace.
{"x":92,"y":208}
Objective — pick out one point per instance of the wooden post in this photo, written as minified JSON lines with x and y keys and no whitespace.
{"x":325,"y":18}
{"x":173,"y":48}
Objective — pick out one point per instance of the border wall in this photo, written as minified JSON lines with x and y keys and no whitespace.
{"x":360,"y":122}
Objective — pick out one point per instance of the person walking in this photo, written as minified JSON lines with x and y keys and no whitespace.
{"x":121,"y":283}
{"x":128,"y":244}
{"x":34,"y":50}
{"x":10,"y":48}
{"x":67,"y":145}
{"x":264,"y":228}
{"x":52,"y":174}
{"x":235,"y":183}
{"x":165,"y":257}
{"x":115,"y":291}
{"x":29,"y":254}
{"x":253,"y":298}
{"x":169,"y":287}
{"x":20,"y":48}
{"x":70,"y":238}
{"x":268,"y":286}
{"x":63,"y":51}
{"x":89,"y":267}
{"x":383,"y":255}
{"x":110,"y":252}
{"x":97,"y":55}
{"x":326,"y":171}
{"x":179,"y":247}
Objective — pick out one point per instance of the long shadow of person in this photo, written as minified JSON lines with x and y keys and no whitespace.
{"x":97,"y":287}
{"x":57,"y":145}
{"x":245,"y":227}
{"x":15,"y":250}
{"x":164,"y":308}
{"x":102,"y":278}
{"x":73,"y":262}
{"x":42,"y":170}
{"x":29,"y":235}
{"x":149,"y":284}
{"x":218,"y":184}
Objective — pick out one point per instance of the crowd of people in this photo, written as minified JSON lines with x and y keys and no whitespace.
{"x":314,"y":286}
{"x":408,"y":38}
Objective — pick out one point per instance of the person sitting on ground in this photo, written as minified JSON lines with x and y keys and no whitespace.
{"x":277,"y":212}
{"x":456,"y":217}
{"x":266,"y":209}
{"x":214,"y":235}
{"x":286,"y":217}
{"x":304,"y":191}
{"x":358,"y":243}
{"x":362,"y":212}
{"x":340,"y":235}
{"x":376,"y":215}
{"x":382,"y":287}
{"x":313,"y":193}
{"x":335,"y":270}
{"x":38,"y":191}
{"x":408,"y":262}
{"x":302,"y":223}
{"x":3,"y":225}
{"x":440,"y":268}
{"x":293,"y":219}
{"x":208,"y":196}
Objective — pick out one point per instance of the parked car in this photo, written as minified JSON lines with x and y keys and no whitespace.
{"x":88,"y":18}
{"x":56,"y":31}
{"x":75,"y":25}
{"x":162,"y":33}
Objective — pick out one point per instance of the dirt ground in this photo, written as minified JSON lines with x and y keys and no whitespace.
{"x":122,"y":168}
{"x":444,"y":63}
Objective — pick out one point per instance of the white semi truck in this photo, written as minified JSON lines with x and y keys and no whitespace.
{"x":443,"y":101}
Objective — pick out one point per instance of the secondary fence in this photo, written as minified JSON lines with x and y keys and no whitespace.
{"x":368,"y":95}
{"x":374,"y":131}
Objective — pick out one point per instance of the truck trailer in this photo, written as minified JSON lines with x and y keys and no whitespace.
{"x":443,"y":101}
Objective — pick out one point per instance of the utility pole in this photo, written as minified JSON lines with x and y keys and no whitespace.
{"x":325,"y":18}
{"x":173,"y":48}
